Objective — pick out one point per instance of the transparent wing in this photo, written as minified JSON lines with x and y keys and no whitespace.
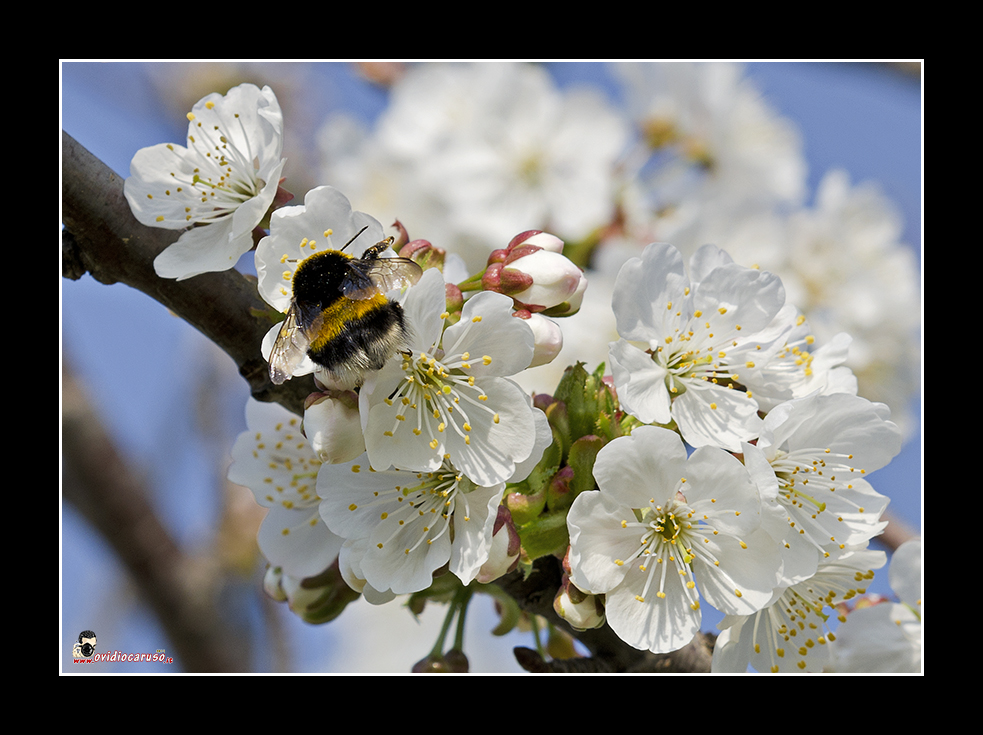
{"x":291,"y":344}
{"x":368,"y":277}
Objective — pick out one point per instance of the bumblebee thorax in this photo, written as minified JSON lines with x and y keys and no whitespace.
{"x":318,"y":278}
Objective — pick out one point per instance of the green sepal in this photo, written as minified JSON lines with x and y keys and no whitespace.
{"x":583,"y":452}
{"x":546,"y":534}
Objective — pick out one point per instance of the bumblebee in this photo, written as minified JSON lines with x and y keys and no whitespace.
{"x":339,"y":315}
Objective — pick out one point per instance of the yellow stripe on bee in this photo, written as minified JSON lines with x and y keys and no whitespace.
{"x":343,"y":312}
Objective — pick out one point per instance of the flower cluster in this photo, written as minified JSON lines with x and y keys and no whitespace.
{"x":764,"y":517}
{"x":471,"y":153}
{"x":723,"y":461}
{"x":412,"y":470}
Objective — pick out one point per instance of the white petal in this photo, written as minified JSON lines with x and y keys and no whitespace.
{"x":710,"y":415}
{"x":750,"y":298}
{"x":423,"y":305}
{"x":641,"y":383}
{"x":507,"y":340}
{"x":597,"y":540}
{"x":719,"y":487}
{"x":204,"y":249}
{"x":473,"y":530}
{"x":647,"y":463}
{"x":905,"y":573}
{"x":643,"y":289}
{"x":660,"y":625}
{"x":746,"y":577}
{"x":298,"y":541}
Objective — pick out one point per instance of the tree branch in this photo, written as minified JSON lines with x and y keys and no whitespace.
{"x":180,"y":589}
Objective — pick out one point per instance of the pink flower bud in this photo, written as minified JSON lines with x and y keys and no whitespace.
{"x":422,"y":252}
{"x":497,"y":278}
{"x":538,"y":238}
{"x":554,"y":279}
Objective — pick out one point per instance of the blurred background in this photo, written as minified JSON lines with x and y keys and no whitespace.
{"x":810,"y":170}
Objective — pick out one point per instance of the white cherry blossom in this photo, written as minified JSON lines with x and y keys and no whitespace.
{"x":685,"y":371}
{"x":274,"y":460}
{"x":448,"y":398}
{"x":660,"y":527}
{"x":791,"y":635}
{"x":409,"y":524}
{"x":812,"y":457}
{"x":218,"y":188}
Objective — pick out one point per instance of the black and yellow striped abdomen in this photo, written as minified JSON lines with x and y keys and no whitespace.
{"x":348,"y":336}
{"x":359,"y":335}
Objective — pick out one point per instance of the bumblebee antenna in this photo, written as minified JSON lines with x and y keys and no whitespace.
{"x":354,"y":236}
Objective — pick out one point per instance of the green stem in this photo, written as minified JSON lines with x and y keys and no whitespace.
{"x":461,"y":601}
{"x":471,"y":283}
{"x":438,"y":649}
{"x":534,"y":622}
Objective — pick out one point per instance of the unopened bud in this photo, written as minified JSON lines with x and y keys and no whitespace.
{"x":558,"y":493}
{"x":273,"y":584}
{"x":452,"y":662}
{"x":584,"y":614}
{"x":454,"y":299}
{"x":580,"y":609}
{"x":504,"y":553}
{"x":424,"y":254}
{"x":525,"y":508}
{"x":538,"y":238}
{"x":547,"y":336}
{"x":552,"y":278}
{"x":333,"y":427}
{"x":318,"y":599}
{"x":573,"y":303}
{"x":506,"y":281}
